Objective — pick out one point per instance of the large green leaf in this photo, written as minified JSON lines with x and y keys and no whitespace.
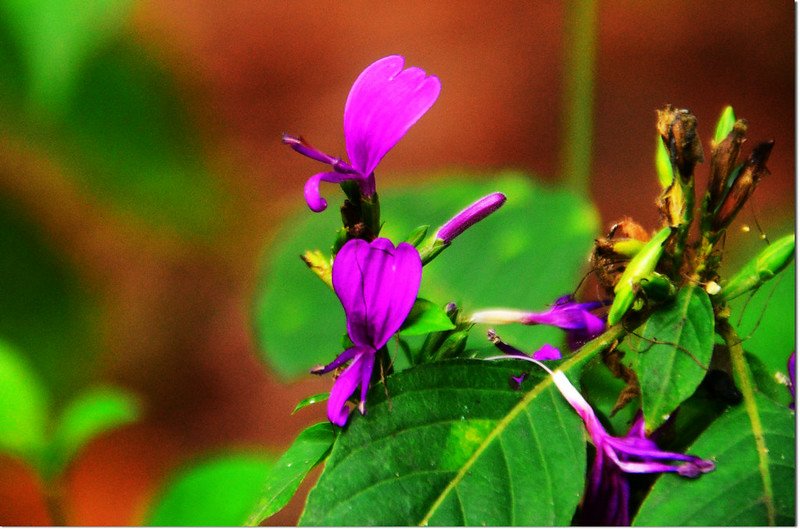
{"x":524,"y":256}
{"x":734,"y":493}
{"x":87,"y":416}
{"x":219,"y":491}
{"x":45,"y":311}
{"x":23,"y":407}
{"x":674,"y":354}
{"x":308,"y":450}
{"x":454,"y":445}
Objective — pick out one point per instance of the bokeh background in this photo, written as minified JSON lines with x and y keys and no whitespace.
{"x":142,"y":180}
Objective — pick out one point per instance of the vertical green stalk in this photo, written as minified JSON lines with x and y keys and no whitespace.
{"x":579,"y":39}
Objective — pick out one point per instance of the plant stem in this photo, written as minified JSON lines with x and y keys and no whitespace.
{"x":576,"y":149}
{"x":744,"y":381}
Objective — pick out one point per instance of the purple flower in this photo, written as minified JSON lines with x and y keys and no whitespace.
{"x":384,"y":102}
{"x":791,"y":366}
{"x":606,"y":498}
{"x":566,"y":313}
{"x":377,"y":285}
{"x":472,"y":214}
{"x":544,"y":353}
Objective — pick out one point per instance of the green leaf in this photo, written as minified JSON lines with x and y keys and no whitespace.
{"x":310,"y":448}
{"x":57,"y":38}
{"x":663,"y":164}
{"x":218,"y":491}
{"x":674,"y":353}
{"x":455,"y":445}
{"x":498,"y":262}
{"x":46,"y":313}
{"x":313,"y":399}
{"x":89,"y":415}
{"x":734,"y":493}
{"x":23,"y":407}
{"x":426,"y":317}
{"x":725,"y":124}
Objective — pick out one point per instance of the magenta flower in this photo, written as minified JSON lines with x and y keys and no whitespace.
{"x":377,"y":285}
{"x":606,"y":498}
{"x":384,"y":102}
{"x":566,"y":313}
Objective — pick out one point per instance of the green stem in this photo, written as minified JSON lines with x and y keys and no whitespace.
{"x":576,"y":150}
{"x":744,"y":381}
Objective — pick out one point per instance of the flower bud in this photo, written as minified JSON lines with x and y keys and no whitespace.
{"x":762,"y":268}
{"x":640,"y":267}
{"x":472,"y":214}
{"x":743,"y":186}
{"x":724,"y":155}
{"x":678,"y":130}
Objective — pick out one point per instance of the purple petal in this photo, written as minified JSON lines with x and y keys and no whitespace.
{"x":366,"y":375}
{"x":348,"y":284}
{"x":311,"y":191}
{"x":547,"y":352}
{"x":377,"y":285}
{"x":345,"y":385}
{"x":391,"y":291}
{"x":347,"y":355}
{"x":383,"y":104}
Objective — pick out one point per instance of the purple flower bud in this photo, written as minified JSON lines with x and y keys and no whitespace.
{"x":472,"y":214}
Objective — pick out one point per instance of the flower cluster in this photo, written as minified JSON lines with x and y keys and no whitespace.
{"x":377,"y":282}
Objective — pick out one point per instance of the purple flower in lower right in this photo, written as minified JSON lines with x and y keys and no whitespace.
{"x":607,"y":490}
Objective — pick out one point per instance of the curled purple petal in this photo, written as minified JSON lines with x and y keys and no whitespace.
{"x":384,"y":102}
{"x":472,"y":214}
{"x":311,"y":191}
{"x":344,"y":386}
{"x":343,"y":358}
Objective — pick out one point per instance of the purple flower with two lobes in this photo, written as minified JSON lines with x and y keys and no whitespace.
{"x":377,"y":285}
{"x":384,"y":102}
{"x":607,"y":491}
{"x":566,"y":313}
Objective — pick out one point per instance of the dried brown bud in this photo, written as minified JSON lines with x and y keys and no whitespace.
{"x":678,"y":130}
{"x":612,"y":253}
{"x":744,"y":185}
{"x":724,"y":156}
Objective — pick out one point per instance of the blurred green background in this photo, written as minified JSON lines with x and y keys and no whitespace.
{"x":142,"y":181}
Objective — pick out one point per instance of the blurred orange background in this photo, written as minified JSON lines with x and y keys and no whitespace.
{"x":176,"y":311}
